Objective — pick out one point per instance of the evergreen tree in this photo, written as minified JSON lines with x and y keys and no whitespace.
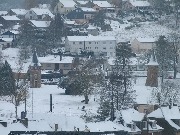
{"x":7,"y":80}
{"x":99,"y":19}
{"x":164,"y":55}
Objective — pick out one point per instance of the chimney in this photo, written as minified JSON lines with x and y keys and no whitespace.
{"x":56,"y":127}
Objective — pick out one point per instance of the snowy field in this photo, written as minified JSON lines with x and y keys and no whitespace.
{"x":67,"y":110}
{"x":146,"y":30}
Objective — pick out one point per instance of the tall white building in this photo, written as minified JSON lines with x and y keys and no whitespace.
{"x":97,"y":44}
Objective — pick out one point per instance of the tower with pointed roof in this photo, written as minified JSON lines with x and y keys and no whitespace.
{"x":35,"y":72}
{"x":152,"y":72}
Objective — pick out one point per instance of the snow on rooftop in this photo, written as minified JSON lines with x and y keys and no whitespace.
{"x":44,"y":11}
{"x":53,"y":59}
{"x":146,"y":39}
{"x":140,"y":3}
{"x":131,"y":115}
{"x":7,"y":39}
{"x":70,"y":22}
{"x":41,"y":24}
{"x":103,"y":4}
{"x":68,"y":3}
{"x":90,"y":38}
{"x":82,"y":2}
{"x":11,"y":18}
{"x":19,"y":11}
{"x":168,"y":114}
{"x":85,"y":9}
{"x":3,"y":12}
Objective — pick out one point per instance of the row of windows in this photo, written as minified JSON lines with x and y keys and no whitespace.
{"x":64,"y":65}
{"x":97,"y":48}
{"x":104,"y":42}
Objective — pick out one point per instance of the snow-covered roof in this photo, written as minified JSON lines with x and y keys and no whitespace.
{"x":168,"y":114}
{"x":82,"y":2}
{"x":7,"y":39}
{"x":69,"y":22}
{"x":19,"y":11}
{"x":45,"y":11}
{"x":68,"y":3}
{"x":91,"y":27}
{"x":131,"y":115}
{"x":90,"y":38}
{"x":55,"y":59}
{"x":85,"y":9}
{"x":41,"y":24}
{"x":146,"y":40}
{"x":103,"y":4}
{"x":139,"y":3}
{"x":11,"y":18}
{"x":3,"y":12}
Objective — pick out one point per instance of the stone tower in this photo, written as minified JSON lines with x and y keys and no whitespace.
{"x":152,"y":72}
{"x":35,"y":72}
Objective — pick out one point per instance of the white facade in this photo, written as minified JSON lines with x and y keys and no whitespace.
{"x":38,"y":14}
{"x":97,"y":44}
{"x":64,"y":6}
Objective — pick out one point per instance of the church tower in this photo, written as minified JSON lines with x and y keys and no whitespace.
{"x":35,"y":72}
{"x":152,"y":72}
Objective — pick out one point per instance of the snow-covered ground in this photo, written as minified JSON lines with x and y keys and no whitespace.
{"x":146,"y":29}
{"x":67,"y":110}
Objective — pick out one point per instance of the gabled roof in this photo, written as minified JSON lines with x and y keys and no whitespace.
{"x":139,"y":3}
{"x":40,"y":24}
{"x":11,"y":18}
{"x":103,"y":4}
{"x":68,"y":3}
{"x":13,"y":32}
{"x":6,"y":39}
{"x":82,"y":2}
{"x":19,"y":11}
{"x":40,"y":11}
{"x":168,"y":114}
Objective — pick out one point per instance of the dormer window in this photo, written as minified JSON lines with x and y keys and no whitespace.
{"x":144,"y":125}
{"x":154,"y":125}
{"x":133,"y":127}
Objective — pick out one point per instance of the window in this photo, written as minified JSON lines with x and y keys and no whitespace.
{"x":30,"y":12}
{"x":66,"y":65}
{"x":61,"y":6}
{"x":110,"y":42}
{"x":80,"y":43}
{"x":89,"y":42}
{"x":48,"y":65}
{"x":133,"y":127}
{"x":144,"y":124}
{"x":74,"y":43}
{"x":104,"y":48}
{"x":96,"y":47}
{"x":39,"y":17}
{"x":154,"y":125}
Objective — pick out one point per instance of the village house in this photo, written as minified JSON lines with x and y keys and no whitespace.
{"x":137,"y":5}
{"x":103,"y":5}
{"x":97,"y":44}
{"x":64,"y":6}
{"x":40,"y":24}
{"x":92,"y":30}
{"x":138,"y":123}
{"x":10,"y":34}
{"x":8,"y":21}
{"x":6,"y":42}
{"x":39,"y":14}
{"x":167,"y":117}
{"x":140,"y":45}
{"x":20,"y":13}
{"x":81,"y":15}
{"x":57,"y":63}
